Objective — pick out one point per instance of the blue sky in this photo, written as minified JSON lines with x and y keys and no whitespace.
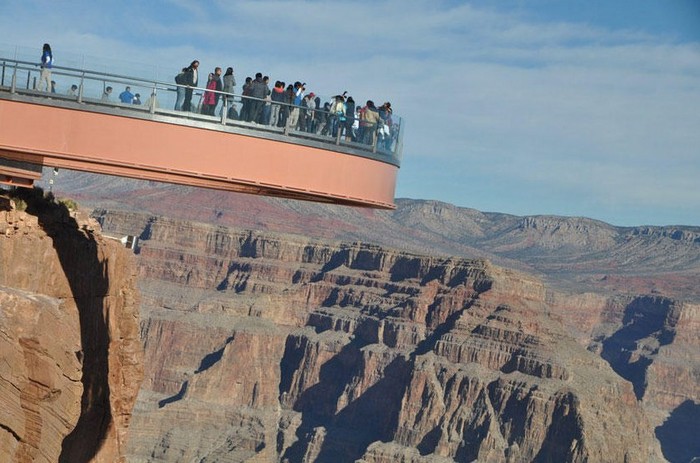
{"x":576,"y":108}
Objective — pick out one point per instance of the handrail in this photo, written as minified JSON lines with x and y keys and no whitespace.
{"x":380,"y":139}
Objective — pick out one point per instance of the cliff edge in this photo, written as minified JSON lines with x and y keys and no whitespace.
{"x":69,"y":337}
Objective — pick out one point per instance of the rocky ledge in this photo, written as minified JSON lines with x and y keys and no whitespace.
{"x":72,"y":361}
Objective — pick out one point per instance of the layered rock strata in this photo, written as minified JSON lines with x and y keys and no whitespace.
{"x":264,"y":347}
{"x":72,"y":358}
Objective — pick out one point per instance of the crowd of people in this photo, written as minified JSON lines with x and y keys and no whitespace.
{"x":285,"y":105}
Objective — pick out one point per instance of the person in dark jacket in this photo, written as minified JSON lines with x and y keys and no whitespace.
{"x":258,"y":92}
{"x":287,"y":99}
{"x":191,"y":79}
{"x":218,"y":86}
{"x":277,"y":98}
{"x":349,"y":119}
{"x":245,"y":101}
{"x":180,"y":81}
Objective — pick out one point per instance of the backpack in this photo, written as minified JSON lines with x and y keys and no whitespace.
{"x":180,"y":78}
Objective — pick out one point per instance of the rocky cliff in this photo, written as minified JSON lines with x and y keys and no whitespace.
{"x":627,"y":296}
{"x":71,"y":355}
{"x":267,"y":347}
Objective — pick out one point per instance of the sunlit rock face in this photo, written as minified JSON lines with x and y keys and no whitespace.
{"x":71,"y":359}
{"x":272,"y":347}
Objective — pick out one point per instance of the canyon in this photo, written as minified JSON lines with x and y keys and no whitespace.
{"x":282,"y":331}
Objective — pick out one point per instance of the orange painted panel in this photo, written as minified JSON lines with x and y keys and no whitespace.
{"x":198,"y":156}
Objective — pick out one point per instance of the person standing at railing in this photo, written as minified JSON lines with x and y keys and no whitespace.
{"x":46,"y":65}
{"x":323,"y":127}
{"x":266,"y":110}
{"x":209,"y":100}
{"x":277,"y":97}
{"x":245,"y":101}
{"x":286,"y":99}
{"x":337,"y":115}
{"x":306,"y":114}
{"x":126,"y":96}
{"x":106,"y":94}
{"x":384,"y":128}
{"x":369,"y":122}
{"x":191,"y":79}
{"x":258,"y":92}
{"x":229,"y":85}
{"x":180,"y":81}
{"x":298,"y":96}
{"x":152,"y":102}
{"x":219,"y":86}
{"x":318,"y":115}
{"x":349,"y":119}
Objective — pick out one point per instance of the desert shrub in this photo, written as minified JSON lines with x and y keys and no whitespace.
{"x":20,"y":204}
{"x":70,"y":204}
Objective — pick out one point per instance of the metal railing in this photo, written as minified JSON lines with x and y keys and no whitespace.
{"x":318,"y":127}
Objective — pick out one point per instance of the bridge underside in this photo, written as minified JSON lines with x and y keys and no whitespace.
{"x":34,"y":135}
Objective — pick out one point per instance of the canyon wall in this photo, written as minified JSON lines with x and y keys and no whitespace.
{"x":270,"y":347}
{"x":72,"y":361}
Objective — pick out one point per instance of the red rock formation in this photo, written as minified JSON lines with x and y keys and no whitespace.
{"x":69,"y":315}
{"x":282,"y":348}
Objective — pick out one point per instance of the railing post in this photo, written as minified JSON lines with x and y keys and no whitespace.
{"x":13,"y":88}
{"x":152,"y":100}
{"x":29,"y":79}
{"x":375,"y":138}
{"x":339,"y":131}
{"x":80,"y":89}
{"x":224,"y":110}
{"x":286,"y":122}
{"x":3,"y":73}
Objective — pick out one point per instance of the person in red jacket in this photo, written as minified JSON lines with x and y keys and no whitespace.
{"x":209,"y":100}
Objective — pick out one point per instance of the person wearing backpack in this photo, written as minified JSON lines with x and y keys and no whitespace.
{"x":180,"y":81}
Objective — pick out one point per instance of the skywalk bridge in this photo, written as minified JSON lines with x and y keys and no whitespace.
{"x":153,"y":142}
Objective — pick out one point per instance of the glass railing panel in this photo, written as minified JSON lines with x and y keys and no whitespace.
{"x":381,"y":139}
